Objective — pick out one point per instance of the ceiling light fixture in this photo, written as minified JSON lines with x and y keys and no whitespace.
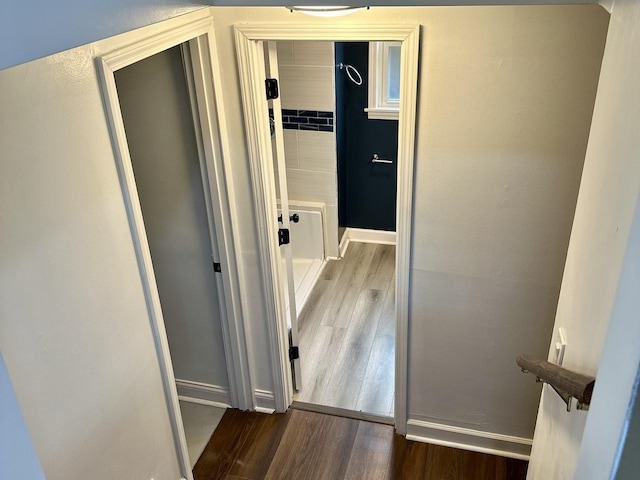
{"x":325,"y":11}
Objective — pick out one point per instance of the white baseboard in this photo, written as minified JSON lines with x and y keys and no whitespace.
{"x":265,"y":401}
{"x":203,"y":393}
{"x":364,"y":235}
{"x":469,"y":439}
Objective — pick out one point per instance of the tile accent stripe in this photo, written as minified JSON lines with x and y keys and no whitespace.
{"x":314,"y":120}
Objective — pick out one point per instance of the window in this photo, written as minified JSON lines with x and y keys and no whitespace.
{"x":384,"y":80}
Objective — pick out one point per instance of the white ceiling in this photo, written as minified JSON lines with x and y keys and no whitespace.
{"x":412,"y":3}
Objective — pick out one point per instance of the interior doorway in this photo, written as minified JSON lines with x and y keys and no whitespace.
{"x":162,"y":103}
{"x":159,"y":124}
{"x":270,"y":185}
{"x":340,"y":171}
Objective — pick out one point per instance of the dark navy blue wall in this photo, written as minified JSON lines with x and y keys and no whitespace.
{"x":366,"y":191}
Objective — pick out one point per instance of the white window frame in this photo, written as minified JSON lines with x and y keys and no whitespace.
{"x":380,"y":106}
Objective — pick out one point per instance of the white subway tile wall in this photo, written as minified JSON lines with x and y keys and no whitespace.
{"x":313,"y":53}
{"x":291,"y":149}
{"x":307,"y":89}
{"x":311,"y":186}
{"x":317,"y":152}
{"x":285,"y":53}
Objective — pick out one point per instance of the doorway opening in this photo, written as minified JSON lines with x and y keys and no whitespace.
{"x":159,"y":125}
{"x":161,"y":102}
{"x":276,"y":183}
{"x":340,"y":173}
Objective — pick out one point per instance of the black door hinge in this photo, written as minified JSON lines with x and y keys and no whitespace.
{"x":294,"y":353}
{"x":295,"y":218}
{"x":271,"y":85}
{"x":283,"y":236}
{"x":217,"y":267}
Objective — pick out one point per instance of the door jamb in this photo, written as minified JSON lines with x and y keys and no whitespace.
{"x":200,"y":35}
{"x":215,"y":167}
{"x":249,"y":40}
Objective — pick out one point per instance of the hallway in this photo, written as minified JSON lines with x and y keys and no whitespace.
{"x":347,"y":331}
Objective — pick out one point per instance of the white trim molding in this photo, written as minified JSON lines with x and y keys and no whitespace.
{"x":196,"y":29}
{"x":251,"y":68}
{"x":216,"y":167}
{"x":251,"y":65}
{"x":381,"y":113}
{"x":469,"y":439}
{"x":265,"y":401}
{"x":203,"y":393}
{"x":363,"y":235}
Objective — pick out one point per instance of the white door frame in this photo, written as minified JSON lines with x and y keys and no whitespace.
{"x":205,"y":81}
{"x":287,"y":249}
{"x":249,"y":40}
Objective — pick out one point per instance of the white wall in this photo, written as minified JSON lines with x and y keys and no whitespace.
{"x":74,"y":328}
{"x":158,"y":121}
{"x":629,"y":464}
{"x":33,"y":29}
{"x":595,"y":259}
{"x":609,"y":419}
{"x":505,"y":102}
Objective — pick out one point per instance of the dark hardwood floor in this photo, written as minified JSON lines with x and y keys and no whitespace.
{"x":302,"y":445}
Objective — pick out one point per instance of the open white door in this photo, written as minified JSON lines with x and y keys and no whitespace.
{"x":285,"y":247}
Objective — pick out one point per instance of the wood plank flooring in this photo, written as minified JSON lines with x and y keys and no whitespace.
{"x":347,"y":330}
{"x":303,"y":445}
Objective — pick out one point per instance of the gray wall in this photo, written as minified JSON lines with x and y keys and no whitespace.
{"x":505,"y":103}
{"x":32,"y":29}
{"x":159,"y":125}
